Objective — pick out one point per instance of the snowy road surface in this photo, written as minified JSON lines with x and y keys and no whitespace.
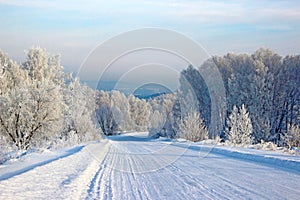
{"x":133,"y":166}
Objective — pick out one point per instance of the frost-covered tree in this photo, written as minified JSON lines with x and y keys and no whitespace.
{"x":104,"y":114}
{"x":169,"y":111}
{"x":31,"y":99}
{"x":79,"y":117}
{"x":265,"y":62}
{"x":106,"y":120}
{"x":157,"y":122}
{"x":140,"y":113}
{"x":42,"y":66}
{"x":246,"y":128}
{"x":193,"y":128}
{"x":232,"y":129}
{"x":287,"y":95}
{"x":195,"y":94}
{"x":239,"y":127}
{"x":121,"y":109}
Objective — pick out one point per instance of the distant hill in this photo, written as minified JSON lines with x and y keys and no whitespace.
{"x":151,"y":90}
{"x":145,"y":91}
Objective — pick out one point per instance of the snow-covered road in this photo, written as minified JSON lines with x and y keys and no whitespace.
{"x":133,"y":166}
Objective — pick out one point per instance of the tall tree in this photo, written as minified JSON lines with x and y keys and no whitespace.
{"x":31,"y":98}
{"x":79,"y":116}
{"x":195,"y":92}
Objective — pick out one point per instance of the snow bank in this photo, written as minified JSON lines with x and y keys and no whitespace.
{"x":270,"y":158}
{"x":64,"y":174}
{"x":274,"y":159}
{"x":32,"y":160}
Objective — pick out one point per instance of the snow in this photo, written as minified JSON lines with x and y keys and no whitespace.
{"x":33,"y":160}
{"x":58,"y":176}
{"x":133,"y":166}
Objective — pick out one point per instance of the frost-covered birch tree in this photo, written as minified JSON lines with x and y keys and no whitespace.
{"x":31,"y":98}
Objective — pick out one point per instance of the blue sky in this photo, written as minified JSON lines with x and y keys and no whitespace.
{"x":73,"y":28}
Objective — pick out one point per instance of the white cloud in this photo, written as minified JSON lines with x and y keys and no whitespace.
{"x":232,"y":11}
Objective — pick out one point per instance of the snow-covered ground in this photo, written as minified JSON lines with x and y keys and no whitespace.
{"x":133,"y":166}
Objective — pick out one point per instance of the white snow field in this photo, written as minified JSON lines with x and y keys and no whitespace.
{"x":133,"y":166}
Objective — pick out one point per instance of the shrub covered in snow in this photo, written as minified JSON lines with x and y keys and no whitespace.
{"x":292,"y":137}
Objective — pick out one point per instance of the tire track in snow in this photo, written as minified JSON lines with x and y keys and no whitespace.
{"x":98,"y":185}
{"x":147,"y":169}
{"x":93,"y":191}
{"x":125,"y":176}
{"x":151,"y":170}
{"x":250,"y":181}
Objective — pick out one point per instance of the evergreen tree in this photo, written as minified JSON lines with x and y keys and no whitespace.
{"x":239,"y":127}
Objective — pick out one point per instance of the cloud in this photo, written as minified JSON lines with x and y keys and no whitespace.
{"x":203,"y":11}
{"x":235,"y":11}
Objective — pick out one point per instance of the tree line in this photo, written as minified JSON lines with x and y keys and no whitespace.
{"x":42,"y":105}
{"x":262,"y":98}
